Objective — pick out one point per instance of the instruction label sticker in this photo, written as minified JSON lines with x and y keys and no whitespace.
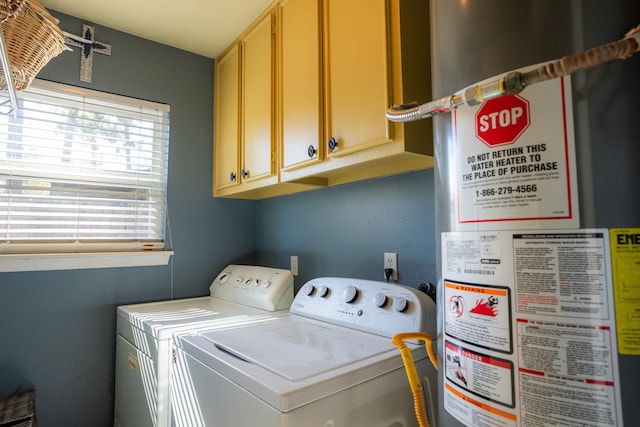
{"x":561,"y":274}
{"x":531,"y":339}
{"x":625,"y":260}
{"x":515,"y":161}
{"x":564,"y":366}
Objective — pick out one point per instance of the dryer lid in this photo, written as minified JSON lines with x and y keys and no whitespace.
{"x":161,"y":319}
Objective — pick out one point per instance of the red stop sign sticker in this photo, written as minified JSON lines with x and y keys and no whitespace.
{"x":500,"y":121}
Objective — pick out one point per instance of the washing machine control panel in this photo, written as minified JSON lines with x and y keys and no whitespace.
{"x":377,"y":307}
{"x":261,"y":287}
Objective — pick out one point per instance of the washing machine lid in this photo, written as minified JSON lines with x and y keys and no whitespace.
{"x":295,"y":348}
{"x":161,"y":319}
{"x":288,"y":360}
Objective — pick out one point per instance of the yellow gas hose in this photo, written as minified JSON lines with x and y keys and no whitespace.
{"x":410,"y":367}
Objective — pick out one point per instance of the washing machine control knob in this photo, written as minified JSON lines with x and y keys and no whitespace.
{"x":350,"y":293}
{"x":308,"y":289}
{"x":323,"y":291}
{"x":265,"y":283}
{"x":380,"y":299}
{"x":400,"y":304}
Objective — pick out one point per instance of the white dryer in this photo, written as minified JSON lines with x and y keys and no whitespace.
{"x":144,"y":349}
{"x":329,"y":362}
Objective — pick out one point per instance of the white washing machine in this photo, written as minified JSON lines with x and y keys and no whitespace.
{"x":144,"y":342}
{"x":329,"y":362}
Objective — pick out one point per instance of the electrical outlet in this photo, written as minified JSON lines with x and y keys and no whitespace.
{"x":294,"y":265}
{"x":391,"y":261}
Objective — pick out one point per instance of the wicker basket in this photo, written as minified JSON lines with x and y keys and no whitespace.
{"x":32,"y":38}
{"x":10,"y":8}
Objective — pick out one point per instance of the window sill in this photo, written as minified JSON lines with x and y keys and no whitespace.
{"x":76,"y":261}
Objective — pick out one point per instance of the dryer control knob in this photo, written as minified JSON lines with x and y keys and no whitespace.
{"x":380,"y":299}
{"x":224,"y":277}
{"x":265,"y":283}
{"x":350,"y":293}
{"x":400,"y":304}
{"x":323,"y":291}
{"x":308,"y":289}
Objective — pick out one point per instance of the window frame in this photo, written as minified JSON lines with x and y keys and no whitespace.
{"x":84,"y":256}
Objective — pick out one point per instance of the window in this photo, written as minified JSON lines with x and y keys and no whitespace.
{"x":82,"y":171}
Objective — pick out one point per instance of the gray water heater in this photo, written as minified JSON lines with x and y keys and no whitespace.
{"x":536,"y":292}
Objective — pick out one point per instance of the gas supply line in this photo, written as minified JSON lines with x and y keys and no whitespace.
{"x":515,"y":82}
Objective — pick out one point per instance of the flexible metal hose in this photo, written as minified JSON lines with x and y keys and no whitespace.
{"x":516,"y":82}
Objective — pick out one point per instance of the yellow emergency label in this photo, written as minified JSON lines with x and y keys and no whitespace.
{"x":625,"y":264}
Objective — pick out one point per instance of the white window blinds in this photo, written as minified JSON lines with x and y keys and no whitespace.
{"x":82,"y":171}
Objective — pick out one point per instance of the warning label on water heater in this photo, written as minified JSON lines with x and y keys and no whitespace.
{"x":515,"y":160}
{"x":529,"y":327}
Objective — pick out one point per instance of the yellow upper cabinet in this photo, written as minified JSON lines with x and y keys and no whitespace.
{"x":301,"y":83}
{"x":374,"y":53}
{"x":245,"y":112}
{"x":356,"y":73}
{"x":312,"y":81}
{"x":226,"y":147}
{"x":258,"y":71}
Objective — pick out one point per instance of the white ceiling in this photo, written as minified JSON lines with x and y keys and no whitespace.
{"x":205,"y":27}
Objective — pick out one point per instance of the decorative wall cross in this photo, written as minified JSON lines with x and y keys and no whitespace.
{"x":87,"y":45}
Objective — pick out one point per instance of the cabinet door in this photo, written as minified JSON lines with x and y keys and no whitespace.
{"x":226,"y":120}
{"x":302,"y":141}
{"x":356,"y":72}
{"x":258,"y":50}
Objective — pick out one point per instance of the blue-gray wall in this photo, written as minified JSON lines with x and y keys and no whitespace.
{"x":57,"y":328}
{"x":345,"y":230}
